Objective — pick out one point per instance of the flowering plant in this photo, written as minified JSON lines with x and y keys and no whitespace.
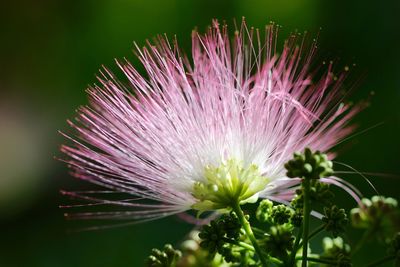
{"x":217,"y":132}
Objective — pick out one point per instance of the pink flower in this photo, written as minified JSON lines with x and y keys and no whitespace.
{"x":202,"y":133}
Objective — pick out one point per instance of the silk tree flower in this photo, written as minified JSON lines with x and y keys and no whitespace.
{"x":206,"y":133}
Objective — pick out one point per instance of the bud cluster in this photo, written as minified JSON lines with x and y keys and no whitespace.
{"x":167,"y":257}
{"x":378,"y":213}
{"x":282,"y":232}
{"x":320,"y":193}
{"x":279,"y":241}
{"x":273,"y":214}
{"x":309,"y":165}
{"x":335,"y":220}
{"x":213,"y":235}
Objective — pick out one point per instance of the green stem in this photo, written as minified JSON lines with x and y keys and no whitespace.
{"x":314,"y":233}
{"x":246,"y":226}
{"x":274,"y":260}
{"x":306,"y":219}
{"x":258,"y":231}
{"x":239,"y":243}
{"x":296,"y":246}
{"x":383,"y":260}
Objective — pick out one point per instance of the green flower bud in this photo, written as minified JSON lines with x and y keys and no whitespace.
{"x":212,"y":235}
{"x":168,"y":257}
{"x":279,"y":240}
{"x":378,"y":213}
{"x":278,"y":214}
{"x":320,"y":193}
{"x":231,"y":225}
{"x":297,"y":218}
{"x":281,"y":214}
{"x":309,"y":165}
{"x":335,"y":220}
{"x":264,"y":210}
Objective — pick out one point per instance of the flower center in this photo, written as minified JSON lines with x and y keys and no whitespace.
{"x":227,"y":184}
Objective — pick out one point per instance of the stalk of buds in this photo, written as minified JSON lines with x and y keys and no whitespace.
{"x":279,"y":229}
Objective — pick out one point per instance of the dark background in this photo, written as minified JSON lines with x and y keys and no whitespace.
{"x":51,"y":50}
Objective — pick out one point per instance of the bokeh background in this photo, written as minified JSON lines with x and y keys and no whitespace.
{"x":51,"y":50}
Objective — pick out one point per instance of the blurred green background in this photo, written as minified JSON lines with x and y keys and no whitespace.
{"x":50,"y":50}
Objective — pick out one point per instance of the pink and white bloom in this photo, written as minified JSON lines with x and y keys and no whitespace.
{"x":201,"y":133}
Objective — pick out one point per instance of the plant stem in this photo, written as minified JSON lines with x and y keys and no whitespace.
{"x":383,"y":260}
{"x":274,"y":260}
{"x":246,"y":226}
{"x":296,"y":246}
{"x":306,"y":219}
{"x":314,"y":233}
{"x":258,"y":231}
{"x":239,"y":243}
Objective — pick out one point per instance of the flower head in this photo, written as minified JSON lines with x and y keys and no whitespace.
{"x":209,"y":132}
